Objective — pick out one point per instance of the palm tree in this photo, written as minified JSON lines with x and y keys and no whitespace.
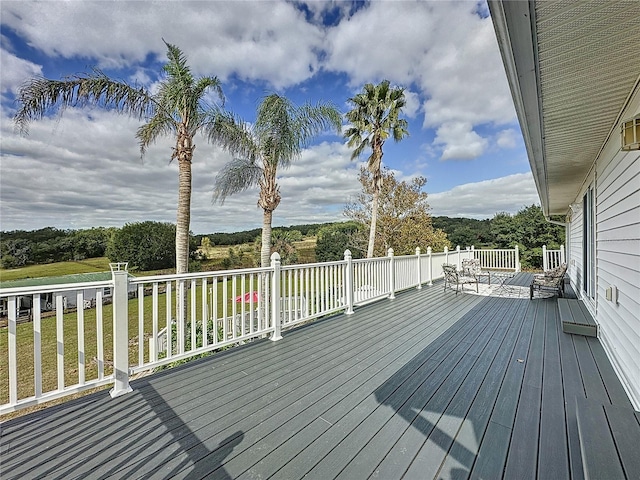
{"x":177,"y":108}
{"x":277,"y":137}
{"x":373,"y":119}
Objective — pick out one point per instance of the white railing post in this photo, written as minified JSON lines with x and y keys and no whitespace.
{"x":562,"y":255}
{"x":545,"y":261}
{"x":430,"y":266}
{"x":392,"y":275}
{"x":348,"y":283}
{"x":517,"y":258}
{"x":275,"y":297}
{"x":458,"y":262}
{"x":419,"y":287}
{"x":120,"y":330}
{"x":446,"y":254}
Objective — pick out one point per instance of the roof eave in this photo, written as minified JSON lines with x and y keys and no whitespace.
{"x":514,"y":24}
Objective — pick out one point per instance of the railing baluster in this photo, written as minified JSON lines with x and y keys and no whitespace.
{"x":80,"y":320}
{"x":205,"y":313}
{"x":60,"y":340}
{"x":169,"y":331}
{"x":37,"y":345}
{"x":13,"y":351}
{"x":99,"y":335}
{"x":214,"y":309}
{"x":155,"y":320}
{"x":193,"y":314}
{"x":141,"y":324}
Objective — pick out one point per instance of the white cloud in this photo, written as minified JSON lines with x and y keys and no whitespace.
{"x":460,"y":141}
{"x":507,"y":138}
{"x":14,"y":71}
{"x":485,"y":199}
{"x":255,"y":40}
{"x":412,"y":106}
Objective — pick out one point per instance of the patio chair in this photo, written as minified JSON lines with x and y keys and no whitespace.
{"x":551,"y":280}
{"x":460,"y":279}
{"x":471,"y":267}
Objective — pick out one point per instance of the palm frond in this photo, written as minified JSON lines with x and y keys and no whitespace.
{"x":39,"y":97}
{"x":231,"y":133}
{"x":159,"y":125}
{"x":205,"y":83}
{"x":238,"y":175}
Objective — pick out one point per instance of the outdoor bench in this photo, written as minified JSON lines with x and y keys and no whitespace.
{"x":575,"y":318}
{"x":552,"y":280}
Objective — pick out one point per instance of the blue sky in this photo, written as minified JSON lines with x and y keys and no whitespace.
{"x":83,"y":169}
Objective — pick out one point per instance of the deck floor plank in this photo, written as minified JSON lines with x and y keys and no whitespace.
{"x":433,"y":366}
{"x":523,"y":449}
{"x":462,"y":454}
{"x":573,"y":387}
{"x":434,"y":449}
{"x":493,"y":451}
{"x":429,"y":385}
{"x":552,"y":461}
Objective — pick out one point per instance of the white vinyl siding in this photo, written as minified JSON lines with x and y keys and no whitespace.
{"x":618,"y":256}
{"x":618,"y":247}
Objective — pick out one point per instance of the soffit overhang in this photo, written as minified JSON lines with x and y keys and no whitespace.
{"x":571,"y":67}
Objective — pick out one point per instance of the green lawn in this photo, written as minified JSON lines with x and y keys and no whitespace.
{"x":100,"y":264}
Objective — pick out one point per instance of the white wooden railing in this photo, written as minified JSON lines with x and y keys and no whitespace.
{"x":148,"y":322}
{"x":552,"y":258}
{"x":499,"y":259}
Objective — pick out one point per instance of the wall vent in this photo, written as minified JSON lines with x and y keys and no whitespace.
{"x":631,"y":134}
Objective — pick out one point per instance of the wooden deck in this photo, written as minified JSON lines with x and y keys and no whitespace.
{"x":429,"y":385}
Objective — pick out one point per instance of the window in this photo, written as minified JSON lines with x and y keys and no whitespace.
{"x":631,"y":134}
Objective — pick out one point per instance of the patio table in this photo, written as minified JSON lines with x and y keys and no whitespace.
{"x":502,"y":278}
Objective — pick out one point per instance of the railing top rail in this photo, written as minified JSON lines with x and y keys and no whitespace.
{"x":494,"y":250}
{"x":197,"y":275}
{"x":61,"y":287}
{"x":375,"y":259}
{"x":317,"y":264}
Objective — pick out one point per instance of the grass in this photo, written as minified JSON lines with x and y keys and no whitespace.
{"x":100,"y":264}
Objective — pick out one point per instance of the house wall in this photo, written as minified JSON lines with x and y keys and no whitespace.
{"x":617,"y":188}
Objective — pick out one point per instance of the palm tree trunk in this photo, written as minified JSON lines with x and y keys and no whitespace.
{"x":184,"y":216}
{"x":265,"y":251}
{"x":374,"y":221}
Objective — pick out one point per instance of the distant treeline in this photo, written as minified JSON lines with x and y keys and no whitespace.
{"x":528,"y":228}
{"x":48,"y":245}
{"x":248,"y":236}
{"x":465,"y":231}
